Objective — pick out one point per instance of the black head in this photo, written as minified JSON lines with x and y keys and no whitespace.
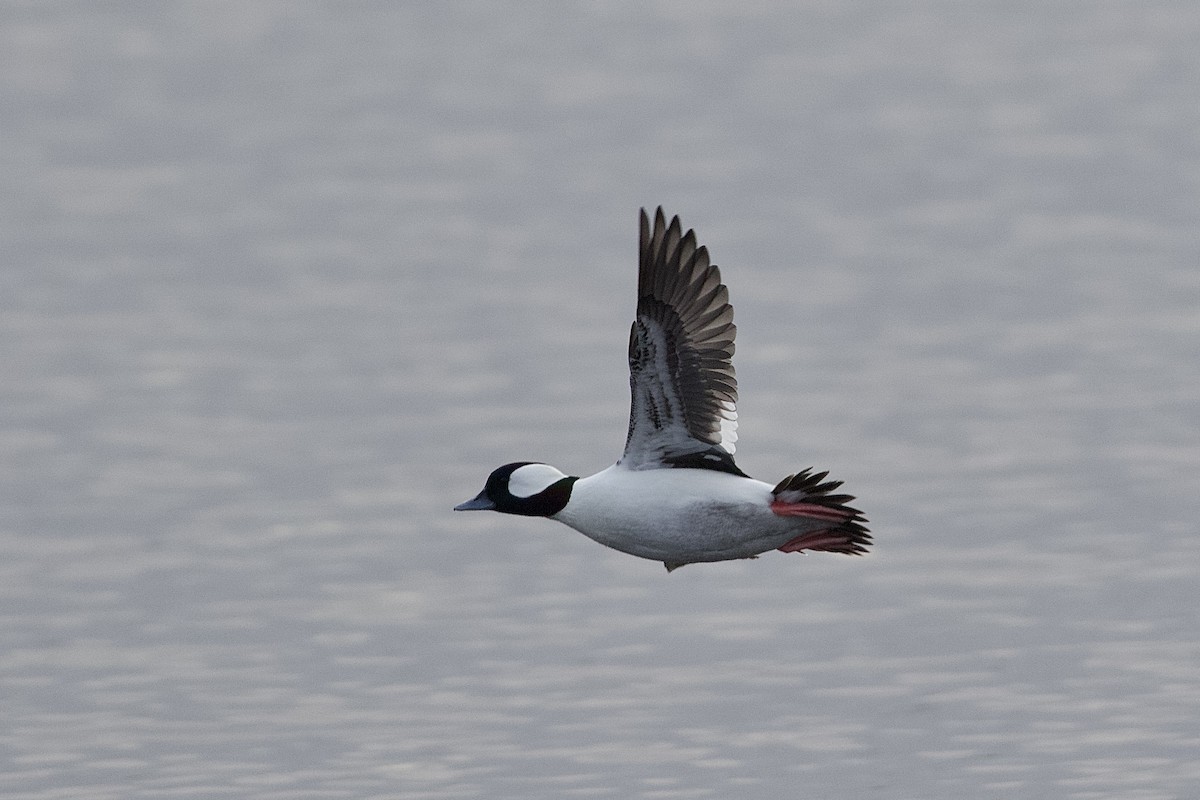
{"x":529,"y":488}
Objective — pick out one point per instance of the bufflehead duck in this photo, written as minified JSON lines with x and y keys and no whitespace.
{"x":676,"y":495}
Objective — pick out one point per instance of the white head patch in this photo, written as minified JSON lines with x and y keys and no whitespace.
{"x":530,"y":479}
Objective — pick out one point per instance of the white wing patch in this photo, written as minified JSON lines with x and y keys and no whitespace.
{"x":728,"y":427}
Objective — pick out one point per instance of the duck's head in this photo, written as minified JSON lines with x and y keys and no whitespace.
{"x":529,"y":488}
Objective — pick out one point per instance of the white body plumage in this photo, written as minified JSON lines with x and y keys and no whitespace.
{"x":679,"y":516}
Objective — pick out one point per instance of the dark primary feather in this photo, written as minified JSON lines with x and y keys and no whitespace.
{"x":684,"y":392}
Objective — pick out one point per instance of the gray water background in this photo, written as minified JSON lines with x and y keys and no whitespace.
{"x":282,"y":282}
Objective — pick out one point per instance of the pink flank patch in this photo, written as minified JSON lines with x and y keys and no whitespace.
{"x":810,"y":510}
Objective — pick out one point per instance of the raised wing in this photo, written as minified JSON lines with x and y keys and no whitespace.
{"x":684,"y":394}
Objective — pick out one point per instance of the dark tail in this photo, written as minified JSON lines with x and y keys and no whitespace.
{"x":804,"y":495}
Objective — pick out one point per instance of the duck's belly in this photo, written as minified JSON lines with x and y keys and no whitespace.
{"x":677,"y":515}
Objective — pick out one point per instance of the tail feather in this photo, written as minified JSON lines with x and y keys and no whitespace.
{"x":809,"y":495}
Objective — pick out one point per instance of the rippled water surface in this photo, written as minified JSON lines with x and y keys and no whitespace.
{"x":283,"y":282}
